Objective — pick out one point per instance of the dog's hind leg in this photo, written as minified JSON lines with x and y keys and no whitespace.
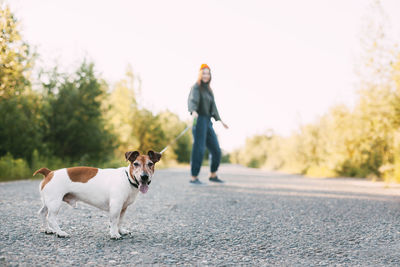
{"x":43,"y":215}
{"x":43,"y":212}
{"x":53,"y":208}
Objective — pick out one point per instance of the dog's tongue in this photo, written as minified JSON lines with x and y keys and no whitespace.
{"x":143,"y":188}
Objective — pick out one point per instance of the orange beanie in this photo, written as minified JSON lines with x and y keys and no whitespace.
{"x":204,"y":66}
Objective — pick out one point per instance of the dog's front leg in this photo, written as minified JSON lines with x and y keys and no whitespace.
{"x":121,"y":229}
{"x":115,"y":211}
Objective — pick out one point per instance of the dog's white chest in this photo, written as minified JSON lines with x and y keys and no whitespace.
{"x":131,"y":198}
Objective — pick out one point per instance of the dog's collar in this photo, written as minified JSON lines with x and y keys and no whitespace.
{"x":133,"y":184}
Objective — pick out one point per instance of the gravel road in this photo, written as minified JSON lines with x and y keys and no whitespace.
{"x":256,"y":218}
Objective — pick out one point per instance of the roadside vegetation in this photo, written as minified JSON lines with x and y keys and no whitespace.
{"x":358,"y":141}
{"x":53,"y":119}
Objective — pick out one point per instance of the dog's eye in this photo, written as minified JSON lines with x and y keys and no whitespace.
{"x":150,"y":164}
{"x":136,"y":164}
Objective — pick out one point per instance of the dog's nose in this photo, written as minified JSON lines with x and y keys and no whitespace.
{"x":144,"y":177}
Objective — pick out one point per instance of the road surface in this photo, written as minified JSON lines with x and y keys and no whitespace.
{"x":256,"y":218}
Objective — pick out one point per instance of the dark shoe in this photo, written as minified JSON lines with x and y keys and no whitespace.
{"x":215,"y":180}
{"x":197,"y":181}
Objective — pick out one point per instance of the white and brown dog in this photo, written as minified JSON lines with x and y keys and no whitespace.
{"x":111,"y":190}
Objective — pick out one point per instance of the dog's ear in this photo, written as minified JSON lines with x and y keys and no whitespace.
{"x":131,"y":155}
{"x":154,"y":156}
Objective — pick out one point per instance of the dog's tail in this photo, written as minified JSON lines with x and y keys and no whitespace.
{"x":43,"y":171}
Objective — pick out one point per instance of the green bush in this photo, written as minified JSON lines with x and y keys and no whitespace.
{"x":11,"y":169}
{"x":52,"y":163}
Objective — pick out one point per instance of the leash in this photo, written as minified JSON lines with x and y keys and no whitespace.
{"x":176,"y":138}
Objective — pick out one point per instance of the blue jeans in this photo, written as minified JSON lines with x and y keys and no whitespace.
{"x":204,"y":135}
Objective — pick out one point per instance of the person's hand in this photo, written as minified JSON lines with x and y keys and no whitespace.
{"x":225,"y":125}
{"x":194,"y":115}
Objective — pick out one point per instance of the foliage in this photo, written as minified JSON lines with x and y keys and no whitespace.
{"x":148,"y":131}
{"x":11,"y":168}
{"x":71,"y":119}
{"x":172,"y":126}
{"x":120,"y":111}
{"x":16,"y":58}
{"x":20,"y":113}
{"x":361,"y":142}
{"x":358,"y":143}
{"x":75,"y":127}
{"x":20,"y":120}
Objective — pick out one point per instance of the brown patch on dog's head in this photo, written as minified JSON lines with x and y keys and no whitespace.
{"x":131,"y":155}
{"x":154,"y":156}
{"x":47,"y":179}
{"x":142,"y":167}
{"x":81,"y":174}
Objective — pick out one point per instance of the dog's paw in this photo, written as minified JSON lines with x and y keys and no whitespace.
{"x":62,"y":234}
{"x":124,"y":231}
{"x":49,"y":231}
{"x":116,"y":236}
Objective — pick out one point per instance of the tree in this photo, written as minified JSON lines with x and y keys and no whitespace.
{"x":16,"y":58}
{"x":75,"y":124}
{"x":147,"y":131}
{"x":20,"y":120}
{"x":172,"y":126}
{"x":121,"y":109}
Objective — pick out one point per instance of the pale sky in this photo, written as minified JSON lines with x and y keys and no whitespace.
{"x":275,"y":64}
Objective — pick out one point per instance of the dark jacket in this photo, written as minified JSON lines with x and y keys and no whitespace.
{"x":202,"y":101}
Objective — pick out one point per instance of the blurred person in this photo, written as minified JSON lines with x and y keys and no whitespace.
{"x":202,"y":107}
